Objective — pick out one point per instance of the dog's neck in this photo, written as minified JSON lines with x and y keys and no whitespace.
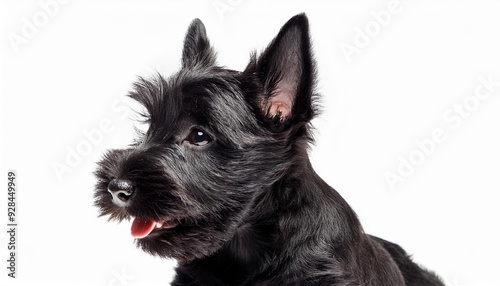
{"x":271,"y":229}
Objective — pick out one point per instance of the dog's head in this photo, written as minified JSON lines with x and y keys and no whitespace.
{"x":217,"y":139}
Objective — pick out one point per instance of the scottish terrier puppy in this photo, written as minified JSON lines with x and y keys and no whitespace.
{"x":221,"y":181}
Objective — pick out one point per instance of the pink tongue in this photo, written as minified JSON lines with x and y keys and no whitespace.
{"x":142,"y":228}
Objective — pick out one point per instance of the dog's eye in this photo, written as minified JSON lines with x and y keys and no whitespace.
{"x":198,"y":138}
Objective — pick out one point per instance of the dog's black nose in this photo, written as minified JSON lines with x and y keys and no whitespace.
{"x":121,"y":190}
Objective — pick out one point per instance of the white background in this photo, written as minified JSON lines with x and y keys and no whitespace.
{"x":78,"y":60}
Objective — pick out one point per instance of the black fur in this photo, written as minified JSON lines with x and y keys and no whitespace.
{"x":225,"y":162}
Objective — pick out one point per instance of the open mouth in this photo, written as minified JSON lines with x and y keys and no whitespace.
{"x":142,"y":228}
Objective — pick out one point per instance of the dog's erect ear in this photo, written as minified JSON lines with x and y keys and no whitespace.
{"x":286,"y":71}
{"x":197,"y":50}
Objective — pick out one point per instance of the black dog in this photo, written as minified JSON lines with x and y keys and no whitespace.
{"x":221,"y":180}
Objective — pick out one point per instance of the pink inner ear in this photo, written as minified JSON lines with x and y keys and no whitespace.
{"x":280,"y":103}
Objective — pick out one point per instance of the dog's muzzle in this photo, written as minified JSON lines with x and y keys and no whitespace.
{"x":122,"y":191}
